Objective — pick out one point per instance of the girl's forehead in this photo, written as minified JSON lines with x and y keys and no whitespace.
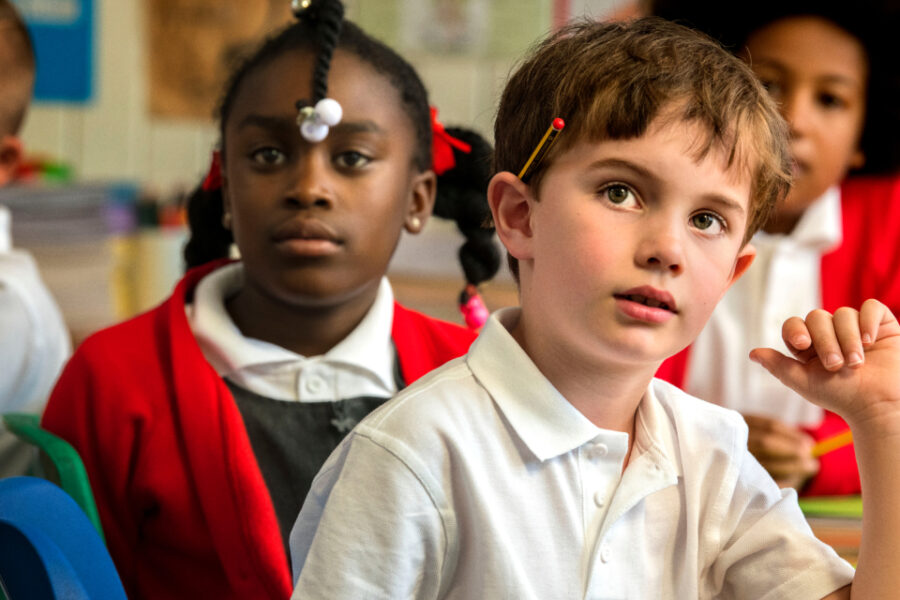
{"x":277,"y":86}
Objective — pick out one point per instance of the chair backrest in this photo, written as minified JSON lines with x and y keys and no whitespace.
{"x":65,"y":465}
{"x":49,"y":549}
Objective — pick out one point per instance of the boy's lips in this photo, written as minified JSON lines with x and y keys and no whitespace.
{"x":647,"y":303}
{"x":307,"y":237}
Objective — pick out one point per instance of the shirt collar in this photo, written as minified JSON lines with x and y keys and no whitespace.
{"x":545,"y":421}
{"x":5,"y":226}
{"x":228,"y":350}
{"x":819,"y":227}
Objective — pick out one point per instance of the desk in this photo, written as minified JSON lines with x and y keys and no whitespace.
{"x":837,"y":521}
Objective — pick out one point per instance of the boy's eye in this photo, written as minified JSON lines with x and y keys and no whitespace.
{"x":618,"y":194}
{"x":268,"y":156}
{"x":352,"y":159}
{"x":708,"y":223}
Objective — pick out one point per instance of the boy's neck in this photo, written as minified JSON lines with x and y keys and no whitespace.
{"x":608,"y":395}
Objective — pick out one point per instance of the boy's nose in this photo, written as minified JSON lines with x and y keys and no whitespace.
{"x":660,"y":251}
{"x":312,"y":182}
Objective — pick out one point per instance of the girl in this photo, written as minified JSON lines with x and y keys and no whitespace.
{"x":830,"y":69}
{"x":202,"y":422}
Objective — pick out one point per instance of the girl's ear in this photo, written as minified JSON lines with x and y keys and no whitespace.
{"x":511,"y":204}
{"x":422,"y":192}
{"x":226,"y":198}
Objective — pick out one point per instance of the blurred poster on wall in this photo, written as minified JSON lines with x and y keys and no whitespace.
{"x":194,"y":44}
{"x":62,"y":32}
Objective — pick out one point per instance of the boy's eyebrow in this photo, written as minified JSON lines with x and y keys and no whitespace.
{"x":714,"y":198}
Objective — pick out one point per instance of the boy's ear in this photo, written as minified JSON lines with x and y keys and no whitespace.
{"x":422,"y":193}
{"x":511,"y":207}
{"x":742,"y":262}
{"x":10,"y":157}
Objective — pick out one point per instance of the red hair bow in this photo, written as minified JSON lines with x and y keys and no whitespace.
{"x":442,"y":145}
{"x":213,"y":179}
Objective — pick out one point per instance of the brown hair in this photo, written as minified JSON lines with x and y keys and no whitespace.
{"x":16,"y":69}
{"x":611,"y":80}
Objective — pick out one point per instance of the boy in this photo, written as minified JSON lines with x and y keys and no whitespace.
{"x":547,"y":462}
{"x":34,"y":341}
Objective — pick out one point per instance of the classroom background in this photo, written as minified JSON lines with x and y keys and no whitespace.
{"x":122,"y":128}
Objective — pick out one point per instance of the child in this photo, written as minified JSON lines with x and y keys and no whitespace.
{"x":203,"y":421}
{"x":831,"y":68}
{"x":547,"y":462}
{"x":34,"y":340}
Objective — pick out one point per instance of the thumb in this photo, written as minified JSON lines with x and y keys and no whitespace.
{"x":787,"y":370}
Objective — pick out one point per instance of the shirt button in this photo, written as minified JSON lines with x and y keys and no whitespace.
{"x":605,"y":553}
{"x":601,"y":450}
{"x":313,"y":385}
{"x":599,"y":500}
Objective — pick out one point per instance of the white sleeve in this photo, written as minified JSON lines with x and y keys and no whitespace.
{"x":373,"y":526}
{"x":769,"y":550}
{"x":34,"y":341}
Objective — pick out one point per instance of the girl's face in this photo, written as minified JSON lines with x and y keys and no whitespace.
{"x":817,"y":73}
{"x":316,"y":224}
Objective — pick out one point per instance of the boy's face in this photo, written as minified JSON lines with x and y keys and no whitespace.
{"x":817,"y":74}
{"x":630,"y":247}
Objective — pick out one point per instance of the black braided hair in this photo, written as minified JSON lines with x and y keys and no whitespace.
{"x":209,"y":240}
{"x":462,"y":197}
{"x":327,"y":16}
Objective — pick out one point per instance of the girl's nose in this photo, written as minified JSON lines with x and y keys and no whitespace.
{"x":312,"y":183}
{"x":796,"y":109}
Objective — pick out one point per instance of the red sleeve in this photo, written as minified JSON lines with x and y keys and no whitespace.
{"x":838,"y":472}
{"x":424,"y":343}
{"x":79,"y":411}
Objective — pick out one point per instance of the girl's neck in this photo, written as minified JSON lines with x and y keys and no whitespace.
{"x":305,"y":328}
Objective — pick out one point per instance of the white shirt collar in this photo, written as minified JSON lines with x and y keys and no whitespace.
{"x":541,"y":416}
{"x":819,"y":228}
{"x":228,"y":350}
{"x":5,"y":230}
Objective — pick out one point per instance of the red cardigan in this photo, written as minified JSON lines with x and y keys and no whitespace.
{"x":865,"y":265}
{"x":182,"y":501}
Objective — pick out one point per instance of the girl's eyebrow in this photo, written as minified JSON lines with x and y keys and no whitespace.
{"x":272,"y":122}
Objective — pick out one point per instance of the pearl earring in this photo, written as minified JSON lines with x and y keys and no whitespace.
{"x":415,"y":223}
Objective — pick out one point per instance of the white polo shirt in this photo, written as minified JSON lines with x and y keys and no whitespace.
{"x":784,"y":280}
{"x":362,"y":364}
{"x":482,"y":481}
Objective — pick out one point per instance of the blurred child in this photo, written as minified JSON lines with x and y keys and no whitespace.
{"x":548,"y":462}
{"x":34,"y":340}
{"x":203,"y":421}
{"x":833,"y":242}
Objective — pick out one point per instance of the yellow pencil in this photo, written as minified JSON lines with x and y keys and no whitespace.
{"x":534,"y":160}
{"x":832,"y":443}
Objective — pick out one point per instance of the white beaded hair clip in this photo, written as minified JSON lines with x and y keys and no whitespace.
{"x":315,"y":121}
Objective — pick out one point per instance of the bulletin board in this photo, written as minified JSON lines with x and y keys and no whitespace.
{"x":194,"y":44}
{"x":62,"y":32}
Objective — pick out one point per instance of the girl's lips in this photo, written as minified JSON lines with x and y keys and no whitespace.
{"x":307,"y":237}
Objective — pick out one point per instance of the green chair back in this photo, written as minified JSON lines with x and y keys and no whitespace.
{"x":61,"y":462}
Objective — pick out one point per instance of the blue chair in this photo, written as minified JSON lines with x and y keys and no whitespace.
{"x":49,"y":549}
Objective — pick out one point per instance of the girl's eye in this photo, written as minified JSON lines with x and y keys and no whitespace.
{"x":619,"y":194}
{"x":268,"y":156}
{"x":831,"y":101}
{"x":352,"y":159}
{"x":708,"y":223}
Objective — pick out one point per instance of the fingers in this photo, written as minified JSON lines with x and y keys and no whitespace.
{"x":875,"y":318}
{"x":784,"y":451}
{"x":836,"y":340}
